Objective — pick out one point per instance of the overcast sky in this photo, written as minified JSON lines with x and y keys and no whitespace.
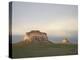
{"x":54,"y":19}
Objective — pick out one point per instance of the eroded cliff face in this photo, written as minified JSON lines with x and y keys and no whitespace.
{"x":65,"y":41}
{"x":35,"y":36}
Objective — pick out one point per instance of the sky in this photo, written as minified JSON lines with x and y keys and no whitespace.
{"x":54,"y":19}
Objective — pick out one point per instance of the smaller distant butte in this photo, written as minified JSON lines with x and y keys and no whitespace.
{"x":65,"y":41}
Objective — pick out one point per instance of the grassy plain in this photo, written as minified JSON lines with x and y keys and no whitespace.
{"x":21,"y":50}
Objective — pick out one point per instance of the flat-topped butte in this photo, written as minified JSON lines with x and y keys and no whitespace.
{"x":35,"y":36}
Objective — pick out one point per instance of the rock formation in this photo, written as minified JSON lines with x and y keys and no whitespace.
{"x":35,"y":36}
{"x":65,"y":41}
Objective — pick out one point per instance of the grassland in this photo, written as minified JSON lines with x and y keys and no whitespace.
{"x":21,"y":50}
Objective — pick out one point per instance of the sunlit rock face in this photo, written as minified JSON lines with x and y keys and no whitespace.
{"x":65,"y":41}
{"x":35,"y":36}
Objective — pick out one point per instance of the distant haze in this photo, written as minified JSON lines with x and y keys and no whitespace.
{"x":55,"y":19}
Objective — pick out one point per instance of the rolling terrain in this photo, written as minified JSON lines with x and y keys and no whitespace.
{"x":40,"y":49}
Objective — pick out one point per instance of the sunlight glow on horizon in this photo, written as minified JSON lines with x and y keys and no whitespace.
{"x":57,"y":28}
{"x":52,"y":19}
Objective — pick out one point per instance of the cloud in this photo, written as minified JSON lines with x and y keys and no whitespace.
{"x":61,"y":27}
{"x":57,"y":27}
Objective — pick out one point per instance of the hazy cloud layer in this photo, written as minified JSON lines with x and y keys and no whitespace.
{"x":54,"y":19}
